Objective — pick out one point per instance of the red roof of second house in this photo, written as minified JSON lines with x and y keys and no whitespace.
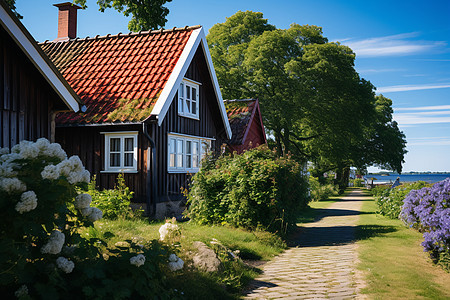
{"x":239,"y":114}
{"x":118,"y":77}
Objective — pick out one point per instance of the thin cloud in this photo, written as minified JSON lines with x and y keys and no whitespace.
{"x":366,"y":71}
{"x":429,"y":141}
{"x":393,"y":45}
{"x":422,"y":115}
{"x":422,"y":108}
{"x":405,"y":88}
{"x":415,"y":119}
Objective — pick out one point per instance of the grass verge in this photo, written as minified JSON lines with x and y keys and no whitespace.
{"x":225,"y":284}
{"x":393,"y":261}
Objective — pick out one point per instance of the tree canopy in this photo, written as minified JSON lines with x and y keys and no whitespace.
{"x":145,"y":14}
{"x":314,"y":103}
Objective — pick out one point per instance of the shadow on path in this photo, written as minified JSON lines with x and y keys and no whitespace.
{"x":337,"y":235}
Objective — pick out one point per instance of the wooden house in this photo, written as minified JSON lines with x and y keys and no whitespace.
{"x":246,"y":125}
{"x":154,"y":107}
{"x":32,"y":90}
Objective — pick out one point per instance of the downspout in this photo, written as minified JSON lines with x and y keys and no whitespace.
{"x":151,"y":182}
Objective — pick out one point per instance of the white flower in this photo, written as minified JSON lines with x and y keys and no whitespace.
{"x":85,"y":176}
{"x":9,"y":158}
{"x":91,"y":213}
{"x":96,"y":214}
{"x":65,"y":265}
{"x":166,"y":230}
{"x":83,"y":201}
{"x":28,"y":202}
{"x":50,"y":172}
{"x":4,"y":150}
{"x":86,"y":211}
{"x":173,"y":257}
{"x":55,"y":149}
{"x":73,"y":169}
{"x":42,"y":145}
{"x":137,"y":260}
{"x":55,"y":243}
{"x":26,"y":149}
{"x":22,"y":291}
{"x":175,"y":263}
{"x":11,"y":185}
{"x":6,"y":169}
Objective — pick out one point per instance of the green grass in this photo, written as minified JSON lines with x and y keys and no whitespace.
{"x":393,"y":261}
{"x":234,"y":275}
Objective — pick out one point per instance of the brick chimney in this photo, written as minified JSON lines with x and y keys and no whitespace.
{"x":67,"y":21}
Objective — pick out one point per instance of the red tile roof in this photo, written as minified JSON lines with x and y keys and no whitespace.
{"x":119,"y":77}
{"x":239,"y":114}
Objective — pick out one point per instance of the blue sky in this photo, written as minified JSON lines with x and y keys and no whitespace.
{"x":402,"y":47}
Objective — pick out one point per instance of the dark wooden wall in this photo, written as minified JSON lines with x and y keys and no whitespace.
{"x":26,"y":98}
{"x":88,"y":143}
{"x":210,"y":125}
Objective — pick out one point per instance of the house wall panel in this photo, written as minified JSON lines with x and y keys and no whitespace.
{"x":26,"y":98}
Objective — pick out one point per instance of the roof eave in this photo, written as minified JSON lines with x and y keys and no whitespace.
{"x":36,"y":55}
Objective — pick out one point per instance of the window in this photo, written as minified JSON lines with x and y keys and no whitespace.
{"x":120,"y":151}
{"x":185,"y":152}
{"x":188,"y":99}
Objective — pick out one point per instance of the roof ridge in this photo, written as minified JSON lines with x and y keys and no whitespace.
{"x":120,"y":34}
{"x":240,"y":100}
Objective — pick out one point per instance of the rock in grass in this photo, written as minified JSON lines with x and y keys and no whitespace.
{"x":205,"y":259}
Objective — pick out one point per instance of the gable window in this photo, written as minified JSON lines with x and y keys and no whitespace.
{"x":185,"y":153}
{"x":120,"y":151}
{"x":188,"y":99}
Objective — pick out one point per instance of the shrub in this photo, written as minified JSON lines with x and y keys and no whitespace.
{"x":390,"y":201}
{"x":428,"y":210}
{"x":321,"y":192}
{"x":380,"y":190}
{"x":254,"y":189}
{"x":357,"y":182}
{"x":114,"y":203}
{"x":42,"y":254}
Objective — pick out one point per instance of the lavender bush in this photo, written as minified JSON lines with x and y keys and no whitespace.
{"x":428,"y":210}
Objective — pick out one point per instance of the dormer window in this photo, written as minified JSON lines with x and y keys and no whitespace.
{"x":188,"y":99}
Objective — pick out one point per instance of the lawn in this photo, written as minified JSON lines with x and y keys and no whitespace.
{"x":234,"y":275}
{"x":393,"y":261}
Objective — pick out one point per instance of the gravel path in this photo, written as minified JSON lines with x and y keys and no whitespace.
{"x":323,"y":265}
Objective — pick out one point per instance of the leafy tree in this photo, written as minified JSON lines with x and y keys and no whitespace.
{"x":385,"y":146}
{"x":146,"y":14}
{"x":12,"y":6}
{"x":314,"y":103}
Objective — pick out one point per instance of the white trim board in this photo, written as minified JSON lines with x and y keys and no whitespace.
{"x":171,"y":87}
{"x":29,"y":47}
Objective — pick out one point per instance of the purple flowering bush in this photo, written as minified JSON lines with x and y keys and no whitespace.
{"x":390,"y":201}
{"x":428,"y":210}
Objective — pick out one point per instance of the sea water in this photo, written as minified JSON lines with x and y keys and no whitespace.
{"x":430,"y":178}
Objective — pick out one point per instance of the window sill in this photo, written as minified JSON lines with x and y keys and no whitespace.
{"x":120,"y":171}
{"x":189,"y":117}
{"x":182,"y":171}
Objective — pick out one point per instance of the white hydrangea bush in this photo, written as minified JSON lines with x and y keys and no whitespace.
{"x":169,"y":231}
{"x":43,"y":213}
{"x":40,"y":210}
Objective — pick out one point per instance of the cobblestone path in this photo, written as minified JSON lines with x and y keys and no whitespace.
{"x":323,"y":265}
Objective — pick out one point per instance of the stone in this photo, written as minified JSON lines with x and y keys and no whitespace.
{"x":205,"y":259}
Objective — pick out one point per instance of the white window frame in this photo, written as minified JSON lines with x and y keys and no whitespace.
{"x":185,"y":103}
{"x":122,"y":135}
{"x":177,"y":161}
